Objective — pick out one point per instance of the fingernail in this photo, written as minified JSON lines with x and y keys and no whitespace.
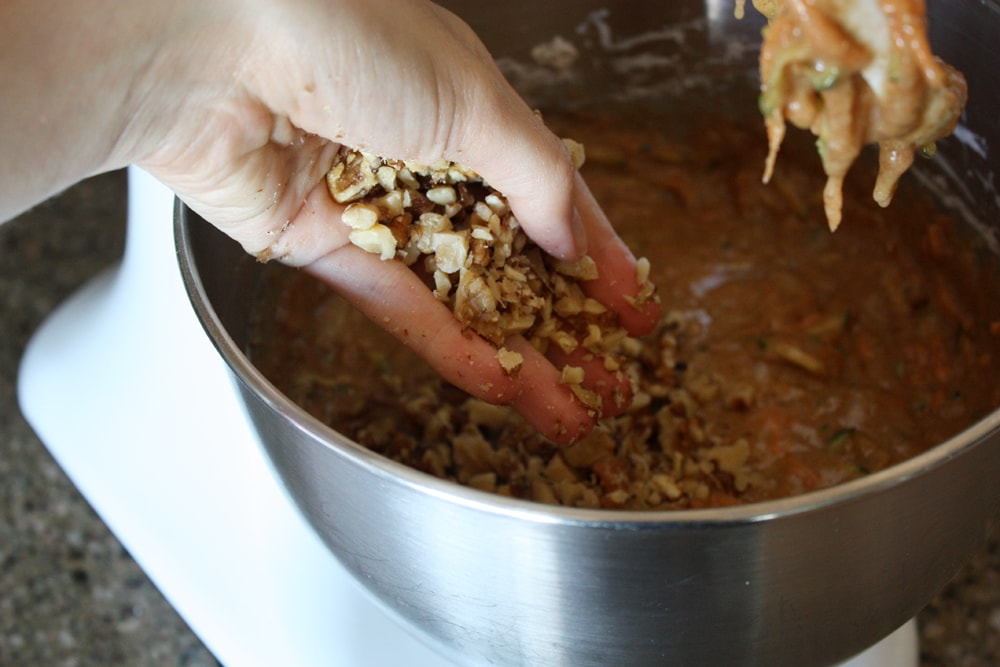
{"x":579,"y":234}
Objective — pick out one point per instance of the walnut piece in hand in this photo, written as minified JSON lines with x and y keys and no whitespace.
{"x":446,"y":222}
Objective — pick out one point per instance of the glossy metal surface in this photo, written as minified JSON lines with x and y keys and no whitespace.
{"x":805,"y":581}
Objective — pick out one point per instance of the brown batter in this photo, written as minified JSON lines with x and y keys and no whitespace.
{"x":788,"y":360}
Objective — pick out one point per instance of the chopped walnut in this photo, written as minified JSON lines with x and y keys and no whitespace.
{"x":662,"y":453}
{"x":444,"y":218}
{"x":377,"y":239}
{"x":509,"y":360}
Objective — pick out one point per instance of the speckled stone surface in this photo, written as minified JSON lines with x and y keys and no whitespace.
{"x":71,"y":596}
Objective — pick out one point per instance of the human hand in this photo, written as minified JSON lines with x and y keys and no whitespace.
{"x":401,"y":302}
{"x":403,"y":79}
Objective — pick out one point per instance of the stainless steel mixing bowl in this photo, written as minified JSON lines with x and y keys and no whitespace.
{"x":809,"y":580}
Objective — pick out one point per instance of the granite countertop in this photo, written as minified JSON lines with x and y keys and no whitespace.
{"x":69,"y":592}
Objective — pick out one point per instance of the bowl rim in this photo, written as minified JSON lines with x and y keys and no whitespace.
{"x":445,"y":490}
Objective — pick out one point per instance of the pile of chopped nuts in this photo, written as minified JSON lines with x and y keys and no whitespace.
{"x":446,"y":222}
{"x":661,"y":453}
{"x":443,"y":220}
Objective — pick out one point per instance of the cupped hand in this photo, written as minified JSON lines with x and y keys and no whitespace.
{"x":266,"y":94}
{"x":394,"y":297}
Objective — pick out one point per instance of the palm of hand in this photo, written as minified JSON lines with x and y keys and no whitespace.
{"x":246,"y":164}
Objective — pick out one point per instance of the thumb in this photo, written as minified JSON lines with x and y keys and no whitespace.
{"x":509,"y":145}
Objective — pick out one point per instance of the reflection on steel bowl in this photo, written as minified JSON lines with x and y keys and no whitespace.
{"x":806,"y":580}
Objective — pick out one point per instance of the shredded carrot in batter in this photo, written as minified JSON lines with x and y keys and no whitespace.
{"x":855,"y":72}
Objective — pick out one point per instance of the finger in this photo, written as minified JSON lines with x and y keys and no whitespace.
{"x":495,"y":133}
{"x":611,"y":385}
{"x":532,"y":167}
{"x":395,"y":298}
{"x":544,"y":402}
{"x":617,"y":286}
{"x":270,"y":198}
{"x":314,"y":230}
